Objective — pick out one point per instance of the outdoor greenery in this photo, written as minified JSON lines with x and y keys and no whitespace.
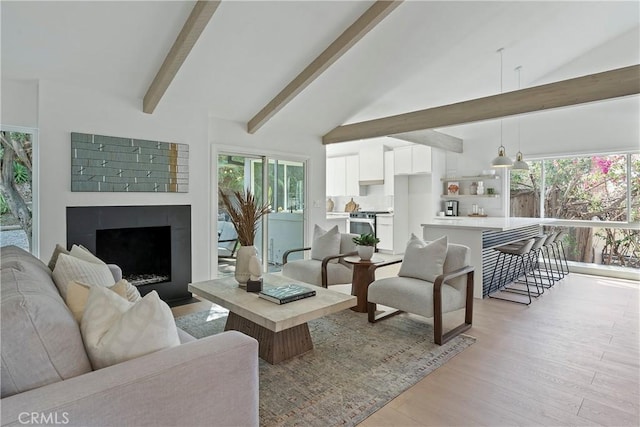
{"x":366,"y":240}
{"x":15,"y":171}
{"x":585,"y":188}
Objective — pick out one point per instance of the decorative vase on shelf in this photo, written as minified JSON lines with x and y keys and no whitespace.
{"x":480,"y":189}
{"x":473,"y":189}
{"x":330,"y":205}
{"x":243,"y":257}
{"x":365,"y":252}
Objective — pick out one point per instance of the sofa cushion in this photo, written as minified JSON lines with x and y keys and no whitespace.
{"x":15,"y":257}
{"x":422,"y":260}
{"x":78,"y":294}
{"x":325,"y":243}
{"x":69,"y":268}
{"x":310,"y":271}
{"x":413,"y":295}
{"x":115,"y":330}
{"x":41,"y":342}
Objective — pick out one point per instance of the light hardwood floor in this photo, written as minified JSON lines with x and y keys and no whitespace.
{"x":570,"y":358}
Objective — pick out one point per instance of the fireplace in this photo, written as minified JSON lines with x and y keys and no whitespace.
{"x":151,"y":244}
{"x":143,"y":253}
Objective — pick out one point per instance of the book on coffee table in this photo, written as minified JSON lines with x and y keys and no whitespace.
{"x":287,"y":293}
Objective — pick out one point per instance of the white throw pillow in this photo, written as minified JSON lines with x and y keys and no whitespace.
{"x":84,"y":254}
{"x":69,"y":268}
{"x":78,"y":295}
{"x":422,"y":260}
{"x":59,"y":249}
{"x":79,"y":251}
{"x":325,"y":243}
{"x":115,"y":330}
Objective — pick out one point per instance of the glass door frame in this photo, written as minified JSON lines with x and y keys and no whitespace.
{"x":265,"y":156}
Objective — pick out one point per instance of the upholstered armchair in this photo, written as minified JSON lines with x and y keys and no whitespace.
{"x":326,"y":265}
{"x":434,"y":279}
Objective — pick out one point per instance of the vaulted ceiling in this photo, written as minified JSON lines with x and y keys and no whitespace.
{"x":423,"y":54}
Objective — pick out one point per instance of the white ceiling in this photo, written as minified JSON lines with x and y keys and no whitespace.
{"x":423,"y":54}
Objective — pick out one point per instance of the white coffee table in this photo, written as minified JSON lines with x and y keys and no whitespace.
{"x":281,"y":330}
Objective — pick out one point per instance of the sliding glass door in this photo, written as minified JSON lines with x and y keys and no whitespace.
{"x":282,"y":184}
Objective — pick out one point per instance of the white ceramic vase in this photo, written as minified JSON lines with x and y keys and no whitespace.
{"x":243,"y":257}
{"x":365,"y":252}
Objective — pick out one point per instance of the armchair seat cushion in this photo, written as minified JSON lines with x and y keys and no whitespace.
{"x":310,"y":271}
{"x":413,"y":295}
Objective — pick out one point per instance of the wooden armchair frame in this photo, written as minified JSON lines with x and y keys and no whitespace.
{"x":325,"y":261}
{"x":438,"y":336}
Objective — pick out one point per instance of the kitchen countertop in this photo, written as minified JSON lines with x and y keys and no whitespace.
{"x":488,"y":223}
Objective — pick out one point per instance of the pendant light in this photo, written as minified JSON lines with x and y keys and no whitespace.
{"x":519,"y":164}
{"x":502,"y":161}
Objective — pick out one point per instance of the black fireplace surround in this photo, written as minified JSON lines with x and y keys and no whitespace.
{"x":150,"y":243}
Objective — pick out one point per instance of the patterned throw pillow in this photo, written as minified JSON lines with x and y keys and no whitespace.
{"x":79,"y":251}
{"x":69,"y":268}
{"x":115,"y":330}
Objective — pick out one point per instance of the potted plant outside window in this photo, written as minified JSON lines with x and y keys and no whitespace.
{"x":365,"y":245}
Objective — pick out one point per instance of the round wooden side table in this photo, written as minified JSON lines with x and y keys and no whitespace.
{"x":361,"y":280}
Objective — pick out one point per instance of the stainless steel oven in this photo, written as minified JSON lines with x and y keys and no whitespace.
{"x":362,"y":223}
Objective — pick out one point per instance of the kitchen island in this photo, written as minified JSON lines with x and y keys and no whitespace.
{"x":482,"y":235}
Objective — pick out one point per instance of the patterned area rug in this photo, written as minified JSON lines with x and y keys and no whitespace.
{"x":354,"y":369}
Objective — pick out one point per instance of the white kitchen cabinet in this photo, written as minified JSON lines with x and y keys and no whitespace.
{"x":388,"y":173}
{"x":412,"y":160}
{"x":352,"y":175}
{"x":336,"y":177}
{"x":371,"y":165}
{"x":384,"y":231}
{"x":420,"y":159}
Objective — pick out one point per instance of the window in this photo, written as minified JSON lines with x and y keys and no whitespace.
{"x":590,"y":189}
{"x":18,"y":216}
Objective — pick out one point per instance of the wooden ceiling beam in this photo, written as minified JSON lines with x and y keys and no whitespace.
{"x":432,"y":138}
{"x":193,"y":27}
{"x":365,"y":23}
{"x":593,"y":87}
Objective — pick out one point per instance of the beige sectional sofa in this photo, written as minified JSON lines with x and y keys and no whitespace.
{"x":46,"y":376}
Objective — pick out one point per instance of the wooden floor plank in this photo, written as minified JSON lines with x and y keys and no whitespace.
{"x":606,"y":415}
{"x":570,"y":358}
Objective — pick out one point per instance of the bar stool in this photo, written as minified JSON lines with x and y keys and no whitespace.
{"x":549,"y":248}
{"x":558,"y":243}
{"x":521,"y":255}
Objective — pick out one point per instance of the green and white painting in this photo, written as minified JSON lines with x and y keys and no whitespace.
{"x":107,"y":163}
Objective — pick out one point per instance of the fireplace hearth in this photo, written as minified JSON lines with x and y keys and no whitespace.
{"x":151,"y":244}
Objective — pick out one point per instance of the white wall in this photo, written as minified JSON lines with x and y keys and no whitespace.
{"x":64,"y":109}
{"x":232,"y":137}
{"x":19,"y":105}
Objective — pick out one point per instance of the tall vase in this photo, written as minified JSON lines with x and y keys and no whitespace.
{"x":243,"y":256}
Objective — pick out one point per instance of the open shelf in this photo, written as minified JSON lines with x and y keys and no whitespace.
{"x":471,"y":178}
{"x":463,"y":196}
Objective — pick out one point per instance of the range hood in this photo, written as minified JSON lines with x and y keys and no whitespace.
{"x":372,"y":182}
{"x":371,"y":165}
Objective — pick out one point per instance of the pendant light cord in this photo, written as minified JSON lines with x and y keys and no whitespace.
{"x":501,"y":66}
{"x":518,"y":68}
